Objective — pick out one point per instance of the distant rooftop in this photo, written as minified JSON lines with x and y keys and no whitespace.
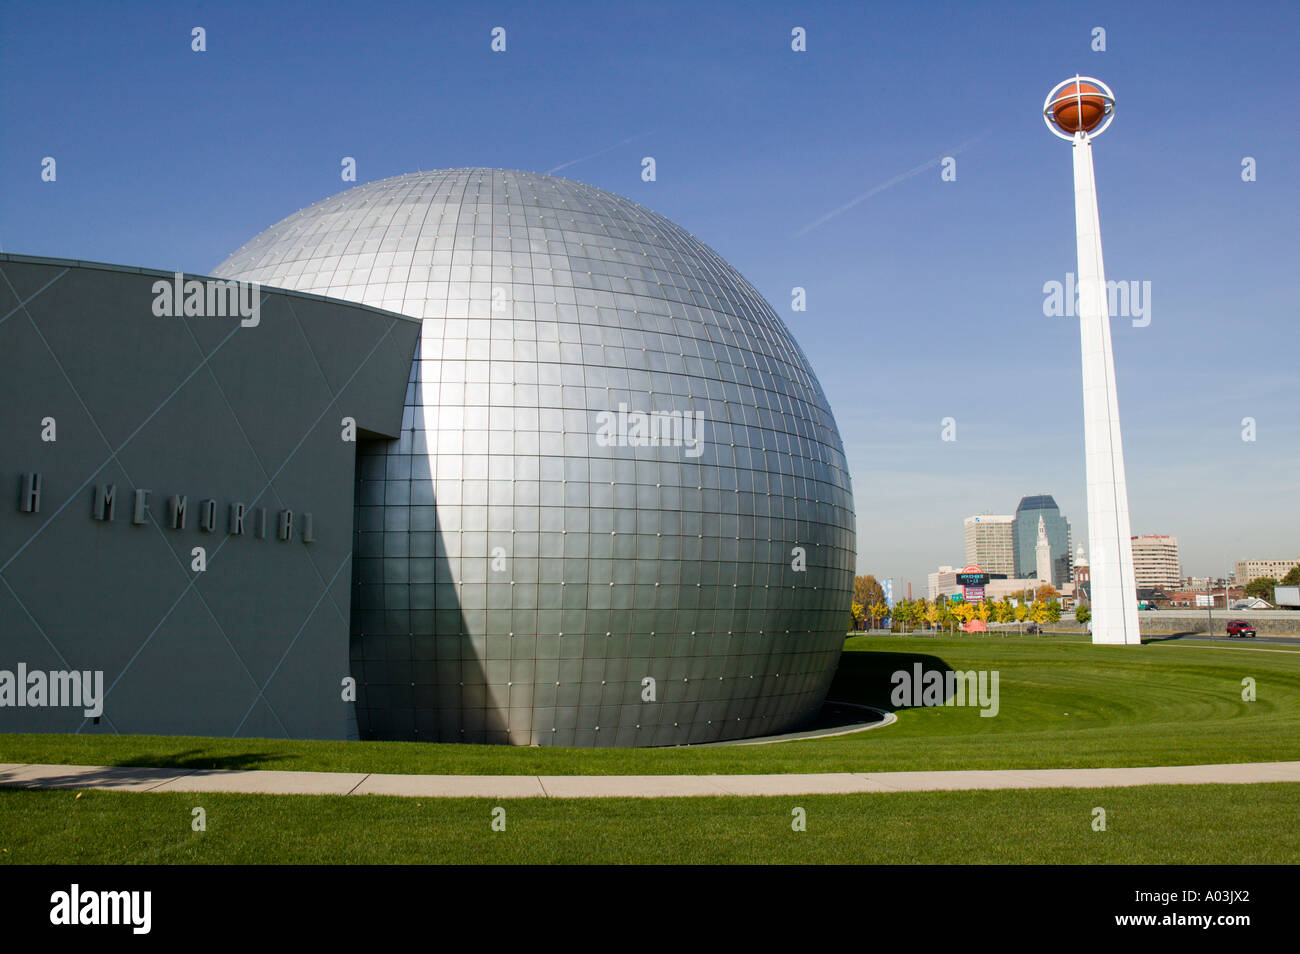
{"x":1037,"y":502}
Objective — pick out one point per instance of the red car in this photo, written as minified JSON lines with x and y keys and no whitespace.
{"x":1241,"y":628}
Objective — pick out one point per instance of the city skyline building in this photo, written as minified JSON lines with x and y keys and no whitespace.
{"x":990,"y":542}
{"x":1059,"y":536}
{"x":943,"y":582}
{"x":1155,"y":561}
{"x":1082,"y":575}
{"x":1043,"y":553}
{"x":1248,"y":570}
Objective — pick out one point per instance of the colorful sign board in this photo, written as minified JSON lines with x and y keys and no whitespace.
{"x":972,"y":581}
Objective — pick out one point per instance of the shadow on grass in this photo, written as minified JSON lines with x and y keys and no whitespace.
{"x":133,"y":778}
{"x":866,"y":678}
{"x":1166,"y":637}
{"x":194,"y":759}
{"x":140,"y":772}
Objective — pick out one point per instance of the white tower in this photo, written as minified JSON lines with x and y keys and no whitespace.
{"x":1078,"y":110}
{"x":1043,"y":554}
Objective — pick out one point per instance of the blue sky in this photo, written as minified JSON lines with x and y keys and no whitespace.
{"x":925,"y":298}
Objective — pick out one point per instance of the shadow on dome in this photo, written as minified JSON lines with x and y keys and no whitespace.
{"x":419,"y":659}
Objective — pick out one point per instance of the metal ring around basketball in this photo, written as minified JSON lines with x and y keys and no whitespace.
{"x":1054,"y":97}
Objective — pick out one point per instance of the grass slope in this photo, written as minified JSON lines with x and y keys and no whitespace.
{"x":1207,"y":824}
{"x":1064,"y":704}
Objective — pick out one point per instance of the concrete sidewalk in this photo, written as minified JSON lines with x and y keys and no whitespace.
{"x":623,"y":786}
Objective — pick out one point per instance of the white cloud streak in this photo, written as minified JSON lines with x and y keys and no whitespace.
{"x":890,"y":183}
{"x":599,"y":152}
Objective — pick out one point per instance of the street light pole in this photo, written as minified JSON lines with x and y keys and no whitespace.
{"x":1209,"y":605}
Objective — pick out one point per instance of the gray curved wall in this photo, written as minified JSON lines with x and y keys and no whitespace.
{"x":201,"y":407}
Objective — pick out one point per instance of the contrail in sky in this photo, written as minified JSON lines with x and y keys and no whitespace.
{"x":571,"y":162}
{"x":890,"y":183}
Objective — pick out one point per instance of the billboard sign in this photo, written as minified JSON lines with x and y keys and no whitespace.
{"x":972,"y":581}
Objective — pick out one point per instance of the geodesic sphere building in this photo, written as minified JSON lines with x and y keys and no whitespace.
{"x":619,"y":511}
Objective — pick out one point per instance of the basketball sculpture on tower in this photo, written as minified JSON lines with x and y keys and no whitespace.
{"x":1078,"y":111}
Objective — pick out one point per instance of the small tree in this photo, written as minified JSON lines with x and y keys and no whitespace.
{"x":878,"y":612}
{"x":920,"y":607}
{"x":1053,"y":611}
{"x":1046,"y":592}
{"x":867,"y":590}
{"x":1083,"y":613}
{"x":1038,"y":613}
{"x":947,"y":617}
{"x":1005,"y":612}
{"x":898,"y":616}
{"x":856,"y":611}
{"x":1262,"y":587}
{"x":1292,"y":577}
{"x":1022,"y":614}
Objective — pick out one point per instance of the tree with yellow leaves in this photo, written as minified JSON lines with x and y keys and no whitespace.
{"x":1004,"y":612}
{"x":965,"y":612}
{"x":1039,"y":613}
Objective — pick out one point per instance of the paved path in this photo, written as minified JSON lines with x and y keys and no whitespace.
{"x":623,"y":786}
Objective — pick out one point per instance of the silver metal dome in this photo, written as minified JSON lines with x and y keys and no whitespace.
{"x":619,"y":512}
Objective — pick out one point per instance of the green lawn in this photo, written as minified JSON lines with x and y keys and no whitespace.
{"x":1203,"y":824}
{"x":1064,"y":703}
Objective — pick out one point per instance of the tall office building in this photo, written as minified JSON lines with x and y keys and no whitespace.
{"x":990,"y":544}
{"x":1155,"y":561}
{"x":1025,"y":535}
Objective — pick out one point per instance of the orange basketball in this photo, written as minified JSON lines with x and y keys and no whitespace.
{"x":1066,"y":112}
